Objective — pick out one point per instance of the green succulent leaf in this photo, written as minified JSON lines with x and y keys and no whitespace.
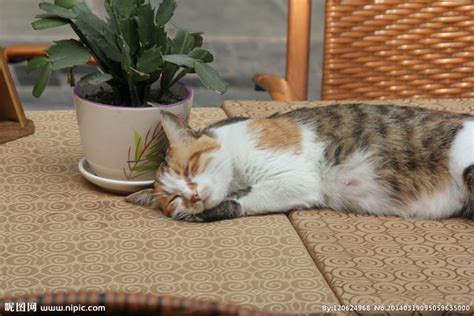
{"x":95,"y":78}
{"x":198,"y":40}
{"x":81,"y":7}
{"x":46,"y":16}
{"x":180,"y":60}
{"x":71,"y":79}
{"x":42,"y":80}
{"x":100,"y":38}
{"x":125,"y":58}
{"x":137,"y":75}
{"x":129,"y":32}
{"x":209,"y":77}
{"x":57,"y":10}
{"x":150,"y":60}
{"x":108,"y":7}
{"x":165,"y":12}
{"x":145,"y":20}
{"x":168,"y":72}
{"x":67,"y":53}
{"x":37,"y":62}
{"x":160,"y":39}
{"x":124,"y":8}
{"x":93,"y":39}
{"x":183,"y":42}
{"x":68,"y":4}
{"x":201,"y":54}
{"x":48,"y":23}
{"x":50,"y":16}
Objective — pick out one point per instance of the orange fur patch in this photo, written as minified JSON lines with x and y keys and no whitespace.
{"x":163,"y":199}
{"x":278,"y":134}
{"x":187,"y":158}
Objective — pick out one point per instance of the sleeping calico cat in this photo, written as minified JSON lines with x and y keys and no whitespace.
{"x":374,"y":159}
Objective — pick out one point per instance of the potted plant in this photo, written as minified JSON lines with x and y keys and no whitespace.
{"x":139,"y":68}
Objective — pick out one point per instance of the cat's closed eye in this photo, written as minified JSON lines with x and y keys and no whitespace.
{"x":174,"y":198}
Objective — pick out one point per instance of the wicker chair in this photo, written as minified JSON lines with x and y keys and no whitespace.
{"x":123,"y":303}
{"x":394,"y":49}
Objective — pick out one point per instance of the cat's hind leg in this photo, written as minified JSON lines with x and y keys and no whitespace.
{"x":462,"y":165}
{"x":468,"y":176}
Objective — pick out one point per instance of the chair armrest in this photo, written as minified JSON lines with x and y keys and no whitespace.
{"x":27,"y":51}
{"x":24,"y":51}
{"x":277,"y":87}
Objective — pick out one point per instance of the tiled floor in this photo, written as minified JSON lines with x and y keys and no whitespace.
{"x":246,"y":37}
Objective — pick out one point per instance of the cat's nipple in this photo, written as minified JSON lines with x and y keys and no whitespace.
{"x":351,"y":182}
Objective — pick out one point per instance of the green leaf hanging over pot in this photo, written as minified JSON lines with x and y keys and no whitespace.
{"x":67,"y":53}
{"x":210,"y":77}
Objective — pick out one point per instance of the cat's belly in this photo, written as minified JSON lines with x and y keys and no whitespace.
{"x":367,"y":197}
{"x":355,"y":186}
{"x":352,"y":186}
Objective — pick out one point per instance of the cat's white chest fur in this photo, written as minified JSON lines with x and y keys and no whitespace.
{"x":295,"y":176}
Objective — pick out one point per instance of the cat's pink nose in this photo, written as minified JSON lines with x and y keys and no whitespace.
{"x":195,"y":198}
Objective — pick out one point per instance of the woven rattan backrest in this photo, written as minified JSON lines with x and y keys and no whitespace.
{"x":395,"y":49}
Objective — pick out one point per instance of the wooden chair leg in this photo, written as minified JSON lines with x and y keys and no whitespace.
{"x":295,"y":86}
{"x":298,"y":47}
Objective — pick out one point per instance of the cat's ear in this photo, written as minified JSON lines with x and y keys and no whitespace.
{"x":176,"y":129}
{"x":144,"y":197}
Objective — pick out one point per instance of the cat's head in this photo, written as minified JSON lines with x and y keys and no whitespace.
{"x":196,"y":175}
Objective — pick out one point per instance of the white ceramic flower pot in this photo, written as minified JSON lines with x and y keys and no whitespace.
{"x":120,"y":142}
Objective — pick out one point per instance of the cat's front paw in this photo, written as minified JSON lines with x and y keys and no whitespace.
{"x":227,"y":209}
{"x":186,"y":217}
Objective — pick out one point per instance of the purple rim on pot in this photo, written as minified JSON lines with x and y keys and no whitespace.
{"x":189,"y":96}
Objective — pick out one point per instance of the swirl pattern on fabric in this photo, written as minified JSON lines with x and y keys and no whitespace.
{"x":60,"y":232}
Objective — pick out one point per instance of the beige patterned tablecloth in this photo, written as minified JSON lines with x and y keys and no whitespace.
{"x":384,"y":260}
{"x":59,"y":232}
{"x":388,"y":260}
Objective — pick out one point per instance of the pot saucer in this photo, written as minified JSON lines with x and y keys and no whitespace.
{"x":114,"y":186}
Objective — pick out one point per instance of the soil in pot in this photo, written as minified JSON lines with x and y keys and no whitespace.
{"x":104,"y":94}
